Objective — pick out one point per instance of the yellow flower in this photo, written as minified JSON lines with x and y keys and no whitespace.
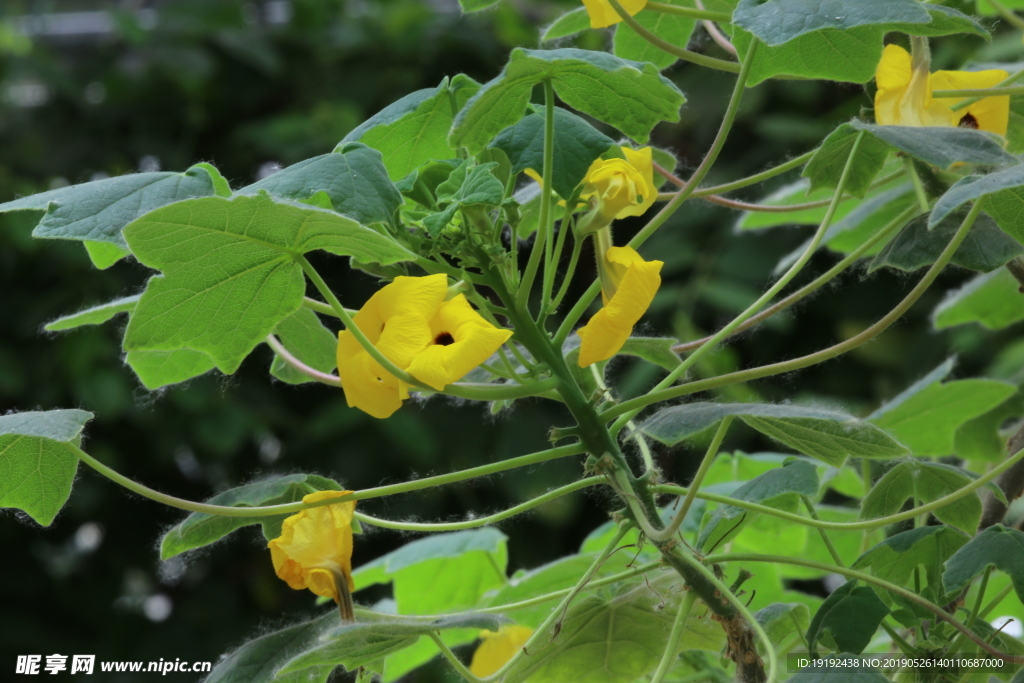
{"x":410,"y":323}
{"x":602,"y":14}
{"x":460,"y":340}
{"x":627,"y":291}
{"x":314,"y":549}
{"x":616,"y":187}
{"x":497,"y":648}
{"x":905,"y":98}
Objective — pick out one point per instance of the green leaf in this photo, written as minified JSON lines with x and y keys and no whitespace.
{"x":924,"y":481}
{"x":578,"y":145}
{"x":851,"y":614}
{"x":200,"y":529}
{"x":468,"y":185}
{"x":778,"y":21}
{"x":839,"y":668}
{"x":476,"y":5}
{"x":96,"y":315}
{"x":362,"y":643}
{"x":926,"y":416}
{"x":353,"y":177}
{"x":826,"y":166}
{"x":157,"y":369}
{"x":259,"y":660}
{"x":828,"y":435}
{"x":630,"y":96}
{"x":992,"y":300}
{"x":942,"y":146}
{"x":996,"y":546}
{"x":566,"y":25}
{"x":97,"y":211}
{"x":672,"y":28}
{"x":441,"y":573}
{"x":985,"y":248}
{"x":1004,"y":204}
{"x":850,"y":54}
{"x":38,"y":460}
{"x":104,"y":254}
{"x":980,"y":438}
{"x":778,"y":488}
{"x":414,"y":130}
{"x":896,"y":558}
{"x":230,"y":275}
{"x":306,"y":338}
{"x":783,"y":618}
{"x":614,"y":636}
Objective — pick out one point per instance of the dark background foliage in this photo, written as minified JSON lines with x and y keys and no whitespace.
{"x":138,"y":85}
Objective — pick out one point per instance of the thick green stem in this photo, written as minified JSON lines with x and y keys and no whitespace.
{"x":365,"y":494}
{"x":867,"y":335}
{"x":681,"y":53}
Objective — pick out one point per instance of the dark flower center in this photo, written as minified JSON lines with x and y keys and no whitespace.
{"x":444,"y":339}
{"x":968,"y":121}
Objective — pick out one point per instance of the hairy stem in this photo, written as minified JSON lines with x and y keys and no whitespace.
{"x":668,"y":658}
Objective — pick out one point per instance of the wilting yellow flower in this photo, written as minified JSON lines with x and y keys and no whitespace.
{"x":497,"y":648}
{"x":602,"y":13}
{"x":905,"y":97}
{"x":411,"y":324}
{"x":314,"y":549}
{"x":631,"y":286}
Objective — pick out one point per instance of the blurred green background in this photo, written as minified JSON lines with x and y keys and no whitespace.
{"x":91,"y":89}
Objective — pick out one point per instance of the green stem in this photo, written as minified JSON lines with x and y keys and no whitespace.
{"x":764,"y":299}
{"x":915,"y":179}
{"x":541,"y":241}
{"x":936,"y":504}
{"x":681,"y":53}
{"x":481,"y":521}
{"x":698,"y":479}
{"x":1000,"y":596}
{"x":350,"y":325}
{"x":979,"y":598}
{"x":580,"y":307}
{"x":867,"y":578}
{"x":901,"y":643}
{"x":547,"y":597}
{"x":365,"y":494}
{"x":452,"y":659}
{"x":814,"y":358}
{"x":557,"y":613}
{"x":668,"y":658}
{"x":641,"y":442}
{"x":757,"y":177}
{"x":815,"y":284}
{"x":994,"y":91}
{"x":577,"y":248}
{"x":740,"y":608}
{"x":320,"y":307}
{"x":547,"y":305}
{"x":709,"y":159}
{"x":1012,"y":78}
{"x":809,"y":504}
{"x":665,"y":8}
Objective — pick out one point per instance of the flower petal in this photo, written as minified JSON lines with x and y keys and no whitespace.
{"x":315,"y":546}
{"x":497,"y":648}
{"x":608,"y":330}
{"x":991,"y":113}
